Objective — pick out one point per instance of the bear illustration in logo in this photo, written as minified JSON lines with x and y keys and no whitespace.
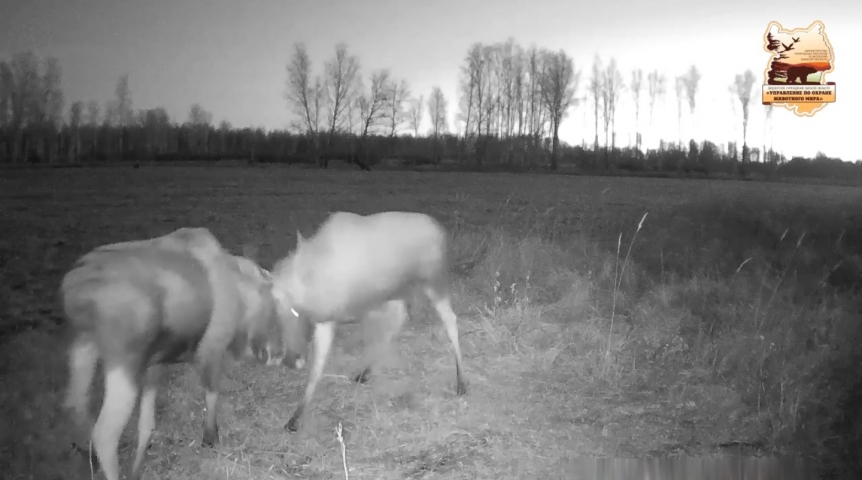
{"x":799,"y":72}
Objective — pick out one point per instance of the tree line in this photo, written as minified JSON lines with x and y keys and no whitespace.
{"x":510,"y":106}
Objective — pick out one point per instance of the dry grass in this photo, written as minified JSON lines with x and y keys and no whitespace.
{"x":579,"y":339}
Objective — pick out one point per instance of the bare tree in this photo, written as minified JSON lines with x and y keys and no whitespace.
{"x":111,"y":118}
{"x":92,"y":119}
{"x":33,"y":104}
{"x":342,"y":78}
{"x":612,"y":85}
{"x":472,"y":88}
{"x":156,"y":125}
{"x":199,"y":116}
{"x":559,"y":82}
{"x":397,"y":93}
{"x":656,"y":89}
{"x":680,"y":90}
{"x":305,"y":96}
{"x":50,"y":107}
{"x":23,"y":72}
{"x":199,"y":122}
{"x":123,"y":109}
{"x":487,"y":99}
{"x":76,"y":117}
{"x":595,"y":89}
{"x":372,"y":105}
{"x":7,"y":87}
{"x":414,"y":114}
{"x":537,"y":111}
{"x":637,"y":83}
{"x":690,"y":80}
{"x":437,"y":106}
{"x":93,"y":113}
{"x":124,"y":101}
{"x":224,"y":130}
{"x":519,"y":83}
{"x":741,"y":87}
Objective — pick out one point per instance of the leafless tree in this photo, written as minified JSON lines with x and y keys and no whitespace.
{"x":637,"y":83}
{"x":76,"y":117}
{"x":304,"y":95}
{"x":124,"y":101}
{"x":518,"y":85}
{"x":414,"y":114}
{"x":656,"y":89}
{"x":372,"y":105}
{"x":397,"y":93}
{"x":22,"y":77}
{"x":7,"y":87}
{"x":437,"y":106}
{"x":93,"y":114}
{"x":111,"y":118}
{"x":156,"y":125}
{"x":595,"y":89}
{"x":122,"y":109}
{"x":199,"y":122}
{"x":472,"y":88}
{"x":33,"y":105}
{"x":680,"y":91}
{"x":342,"y":82}
{"x":199,"y":116}
{"x":741,"y":88}
{"x":690,"y":81}
{"x":224,"y":129}
{"x":487,"y":96}
{"x":559,"y":82}
{"x":45,"y":109}
{"x":505,"y":95}
{"x":612,"y":86}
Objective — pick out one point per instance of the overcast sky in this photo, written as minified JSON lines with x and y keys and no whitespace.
{"x":231,"y":56}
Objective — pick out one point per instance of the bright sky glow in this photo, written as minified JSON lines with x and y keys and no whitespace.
{"x":231,"y":56}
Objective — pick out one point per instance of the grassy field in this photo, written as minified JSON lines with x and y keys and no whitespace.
{"x":613,"y":317}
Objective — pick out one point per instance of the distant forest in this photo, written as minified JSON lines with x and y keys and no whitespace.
{"x":512,"y":101}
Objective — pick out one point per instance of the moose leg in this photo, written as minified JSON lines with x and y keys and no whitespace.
{"x":443,"y":305}
{"x":211,"y":355}
{"x":146,"y":417}
{"x":121,"y":392}
{"x":83,"y":356}
{"x":323,"y":335}
{"x":379,"y":328}
{"x":211,"y":375}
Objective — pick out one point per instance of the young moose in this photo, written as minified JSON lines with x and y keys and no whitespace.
{"x":354,"y":267}
{"x":139,"y":305}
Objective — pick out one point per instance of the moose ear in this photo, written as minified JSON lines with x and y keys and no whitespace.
{"x":299,"y":239}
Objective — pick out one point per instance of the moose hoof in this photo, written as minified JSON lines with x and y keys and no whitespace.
{"x":210,"y":438}
{"x":461,"y":389}
{"x":292,"y":425}
{"x":363,"y":377}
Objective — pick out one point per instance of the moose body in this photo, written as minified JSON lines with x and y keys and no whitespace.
{"x":359,"y":267}
{"x":142,"y":304}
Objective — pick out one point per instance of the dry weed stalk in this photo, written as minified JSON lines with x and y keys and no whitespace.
{"x":618,"y":281}
{"x":343,"y":450}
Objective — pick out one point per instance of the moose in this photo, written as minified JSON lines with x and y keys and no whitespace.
{"x":140,"y":305}
{"x":360,"y":267}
